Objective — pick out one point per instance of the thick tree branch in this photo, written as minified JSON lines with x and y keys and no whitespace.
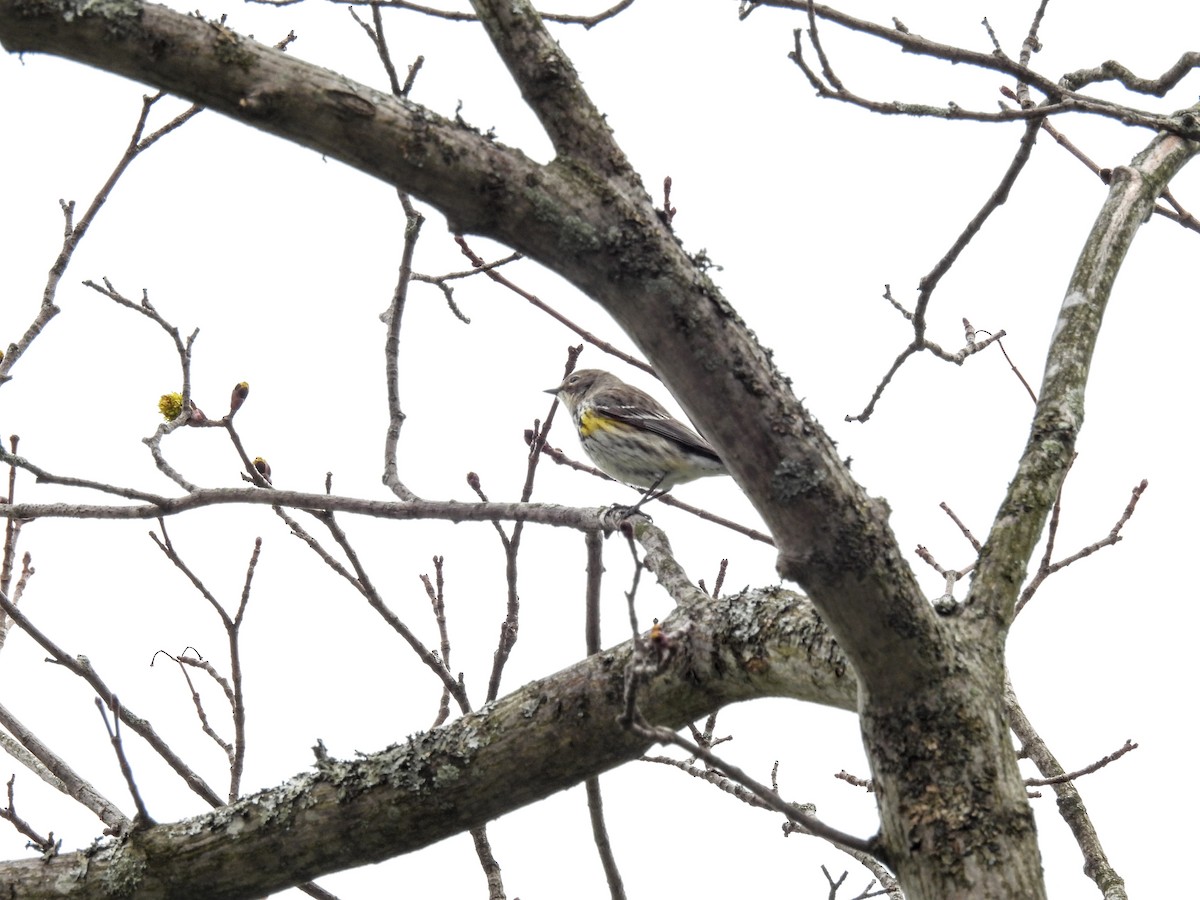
{"x":550,"y":85}
{"x":545,"y":737}
{"x":1059,"y":416}
{"x":463,"y":173}
{"x":606,"y":239}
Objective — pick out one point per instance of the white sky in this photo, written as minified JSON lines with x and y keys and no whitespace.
{"x":284,"y":261}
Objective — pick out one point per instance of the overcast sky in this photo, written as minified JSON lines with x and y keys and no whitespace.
{"x":284,"y":261}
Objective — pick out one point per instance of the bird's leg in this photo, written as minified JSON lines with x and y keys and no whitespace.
{"x":648,"y":495}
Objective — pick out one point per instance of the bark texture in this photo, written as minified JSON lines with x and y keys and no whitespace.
{"x":548,"y":736}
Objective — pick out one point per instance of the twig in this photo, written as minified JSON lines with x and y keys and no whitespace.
{"x":12,"y":533}
{"x":391,"y":467}
{"x":437,"y":600}
{"x":55,"y":771}
{"x":47,"y":846}
{"x":45,"y":477}
{"x":82,"y":667}
{"x":188,"y":414}
{"x":587,"y":22}
{"x":945,"y":507}
{"x":1016,"y":371}
{"x":362,"y":583}
{"x":612,"y":874}
{"x":1086,"y":770}
{"x":594,"y":542}
{"x":73,"y":233}
{"x":413,"y":220}
{"x":554,"y":314}
{"x":143,"y":819}
{"x":1070,"y":804}
{"x":160,"y":506}
{"x":1111,"y":70}
{"x":562,"y":459}
{"x":442,"y":282}
{"x":375,"y":33}
{"x":930,"y":281}
{"x":719,"y":583}
{"x":509,"y":628}
{"x":411,"y":78}
{"x":835,"y":886}
{"x":764,"y":793}
{"x":256,"y":471}
{"x":491,"y":868}
{"x":1046,"y":568}
{"x":236,"y":751}
{"x":1173,"y":211}
{"x":1060,"y":97}
{"x":705,"y":738}
{"x":864,"y":783}
{"x":716,"y":777}
{"x":196,"y":662}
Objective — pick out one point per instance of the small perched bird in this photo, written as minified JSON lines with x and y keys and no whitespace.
{"x":629,"y":435}
{"x":263,"y":468}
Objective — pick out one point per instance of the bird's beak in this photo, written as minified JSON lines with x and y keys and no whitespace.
{"x":554,"y":390}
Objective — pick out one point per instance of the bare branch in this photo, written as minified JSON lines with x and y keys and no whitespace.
{"x":612,"y":874}
{"x":590,"y":338}
{"x":143,"y":819}
{"x":793,"y":811}
{"x":1070,"y":804}
{"x":48,"y":846}
{"x":82,"y":667}
{"x":1060,"y":97}
{"x":718,"y":779}
{"x":1111,"y":70}
{"x":75,"y":232}
{"x":194,"y":661}
{"x":450,"y":511}
{"x":437,"y":600}
{"x":666,"y":499}
{"x":395,"y":313}
{"x":587,"y":22}
{"x":1086,"y":770}
{"x":1059,"y":414}
{"x":483,"y":765}
{"x":1046,"y":568}
{"x":930,"y":282}
{"x":491,"y":868}
{"x":54,"y":770}
{"x":945,"y":507}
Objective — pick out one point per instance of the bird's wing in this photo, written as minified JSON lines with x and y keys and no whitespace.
{"x":652,"y":417}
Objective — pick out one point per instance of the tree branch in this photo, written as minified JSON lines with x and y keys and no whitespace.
{"x":607,"y":240}
{"x":550,"y":85}
{"x":481,"y":766}
{"x":1059,"y":415}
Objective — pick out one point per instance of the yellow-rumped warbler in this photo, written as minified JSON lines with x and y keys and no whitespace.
{"x":629,"y":435}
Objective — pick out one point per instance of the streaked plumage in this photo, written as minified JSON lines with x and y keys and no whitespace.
{"x":630,"y":436}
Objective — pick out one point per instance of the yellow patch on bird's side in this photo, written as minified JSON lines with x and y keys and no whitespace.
{"x":590,"y":422}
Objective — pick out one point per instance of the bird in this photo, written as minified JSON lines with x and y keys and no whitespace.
{"x":631,"y":437}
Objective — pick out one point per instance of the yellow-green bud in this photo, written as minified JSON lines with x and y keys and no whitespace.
{"x":170,"y":405}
